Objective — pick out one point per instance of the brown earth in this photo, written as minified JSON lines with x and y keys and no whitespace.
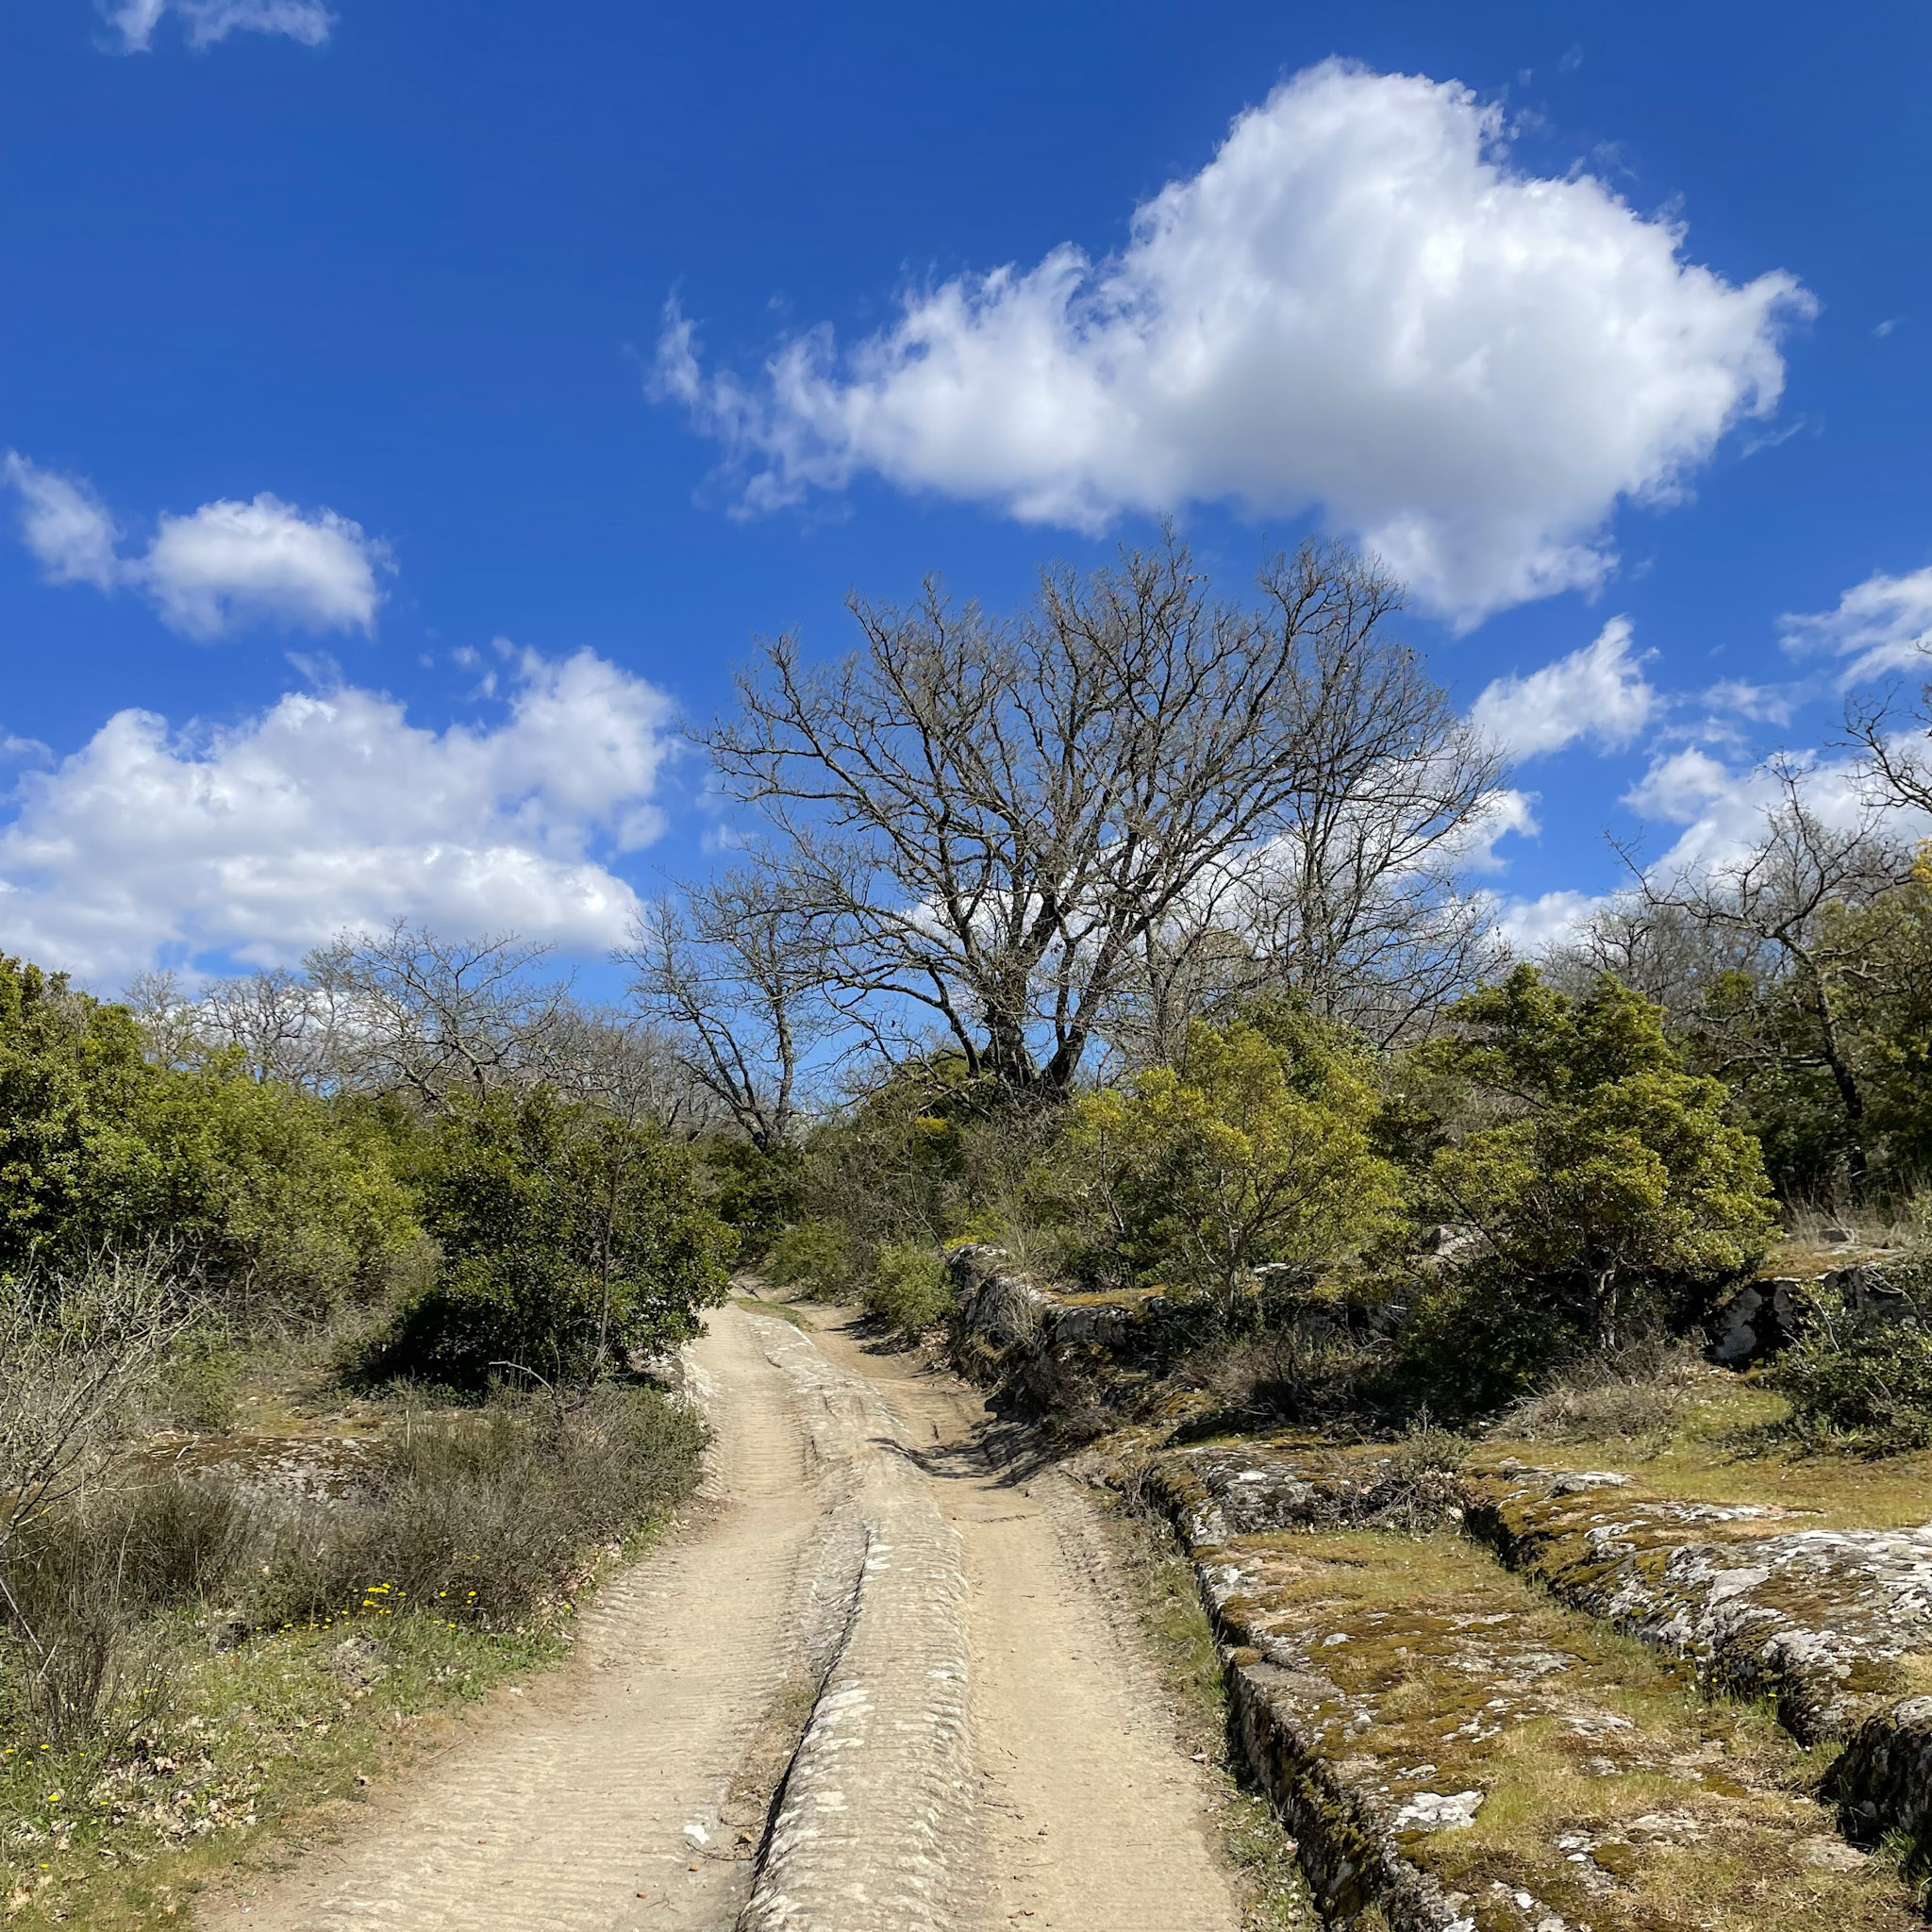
{"x":987,"y":1743}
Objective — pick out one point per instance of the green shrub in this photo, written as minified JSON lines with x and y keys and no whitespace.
{"x":1477,"y":1339}
{"x":910,"y":1289}
{"x":568,"y":1240}
{"x":1862,"y":1381}
{"x":1614,"y":1185}
{"x":1257,"y":1148}
{"x":195,"y":1388}
{"x":754,"y":1192}
{"x":815,"y":1257}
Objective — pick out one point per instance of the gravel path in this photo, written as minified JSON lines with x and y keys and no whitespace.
{"x":986,"y":1746}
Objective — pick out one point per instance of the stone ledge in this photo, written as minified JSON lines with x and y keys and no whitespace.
{"x":1456,"y":1752}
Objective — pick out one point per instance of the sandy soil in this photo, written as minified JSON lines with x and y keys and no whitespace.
{"x":987,"y":1745}
{"x":1090,"y":1817}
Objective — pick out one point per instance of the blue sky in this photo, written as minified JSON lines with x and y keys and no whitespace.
{"x":368,"y":527}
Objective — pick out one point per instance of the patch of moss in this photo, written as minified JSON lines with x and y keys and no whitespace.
{"x":1405,"y":1682}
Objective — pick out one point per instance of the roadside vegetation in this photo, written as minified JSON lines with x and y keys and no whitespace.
{"x":1132,"y":936}
{"x":330,"y":1309}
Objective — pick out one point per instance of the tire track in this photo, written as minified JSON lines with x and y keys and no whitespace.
{"x":608,"y":1812}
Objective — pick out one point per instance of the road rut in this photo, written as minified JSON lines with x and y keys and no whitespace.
{"x":986,"y":1746}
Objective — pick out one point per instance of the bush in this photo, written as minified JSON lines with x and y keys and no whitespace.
{"x":481,"y":1517}
{"x":266,"y":1192}
{"x":1864,"y":1382}
{"x":1255,"y":1149}
{"x":1636,"y":1395}
{"x":910,"y":1289}
{"x":195,"y":1388}
{"x":815,"y":1257}
{"x":568,"y":1240}
{"x":82,"y":1584}
{"x":1293,"y":1376}
{"x":1615,"y":1184}
{"x":1476,"y":1339}
{"x":754,"y":1192}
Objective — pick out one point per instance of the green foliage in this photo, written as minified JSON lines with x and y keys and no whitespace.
{"x":72,"y":1083}
{"x":272,"y":1192}
{"x":1476,"y":1339}
{"x":1861,"y":1383}
{"x":568,"y":1238}
{"x":816,"y":1258}
{"x":1613,"y":1172}
{"x":755,"y":1193}
{"x":261,"y":1190}
{"x":1255,"y":1148}
{"x":932,"y":1155}
{"x":909,"y":1289}
{"x":196,"y":1386}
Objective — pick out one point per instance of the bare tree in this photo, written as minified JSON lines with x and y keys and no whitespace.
{"x":170,"y":1020}
{"x":739,"y":974}
{"x":1775,"y":909}
{"x":629,"y":1069}
{"x":288,"y":1026}
{"x":433,"y":1017}
{"x":1000,"y":822}
{"x":1897,"y":759}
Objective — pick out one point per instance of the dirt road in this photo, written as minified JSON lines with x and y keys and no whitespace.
{"x":986,"y":1746}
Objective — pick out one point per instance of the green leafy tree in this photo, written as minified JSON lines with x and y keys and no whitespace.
{"x":73,"y":1171}
{"x":1256,"y":1147}
{"x":274,"y":1194}
{"x":568,"y":1238}
{"x":1611,"y":1174}
{"x":255,"y":1187}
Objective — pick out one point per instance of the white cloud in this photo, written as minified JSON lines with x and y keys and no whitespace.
{"x":1533,"y":925}
{"x":64,"y":523}
{"x":1599,"y":691}
{"x":229,"y":562}
{"x":331,"y":809}
{"x":1884,"y":624}
{"x":1762,"y":704}
{"x":1681,"y":787}
{"x":223,"y":565}
{"x":1722,"y":807}
{"x":1358,"y":303}
{"x":1502,"y":813}
{"x":205,"y":22}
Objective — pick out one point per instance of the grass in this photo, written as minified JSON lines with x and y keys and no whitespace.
{"x":280,"y":1735}
{"x":349,"y":1661}
{"x":1723,"y":1446}
{"x":1162,"y":1590}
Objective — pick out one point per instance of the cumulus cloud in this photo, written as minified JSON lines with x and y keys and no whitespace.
{"x":1358,"y":303}
{"x":332,"y":809}
{"x":1502,"y":813}
{"x":1599,"y":691}
{"x":229,"y":562}
{"x":205,"y":22}
{"x":1721,"y":808}
{"x":1883,"y":625}
{"x":216,"y":569}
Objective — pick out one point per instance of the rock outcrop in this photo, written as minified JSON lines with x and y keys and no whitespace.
{"x":1455,"y":1751}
